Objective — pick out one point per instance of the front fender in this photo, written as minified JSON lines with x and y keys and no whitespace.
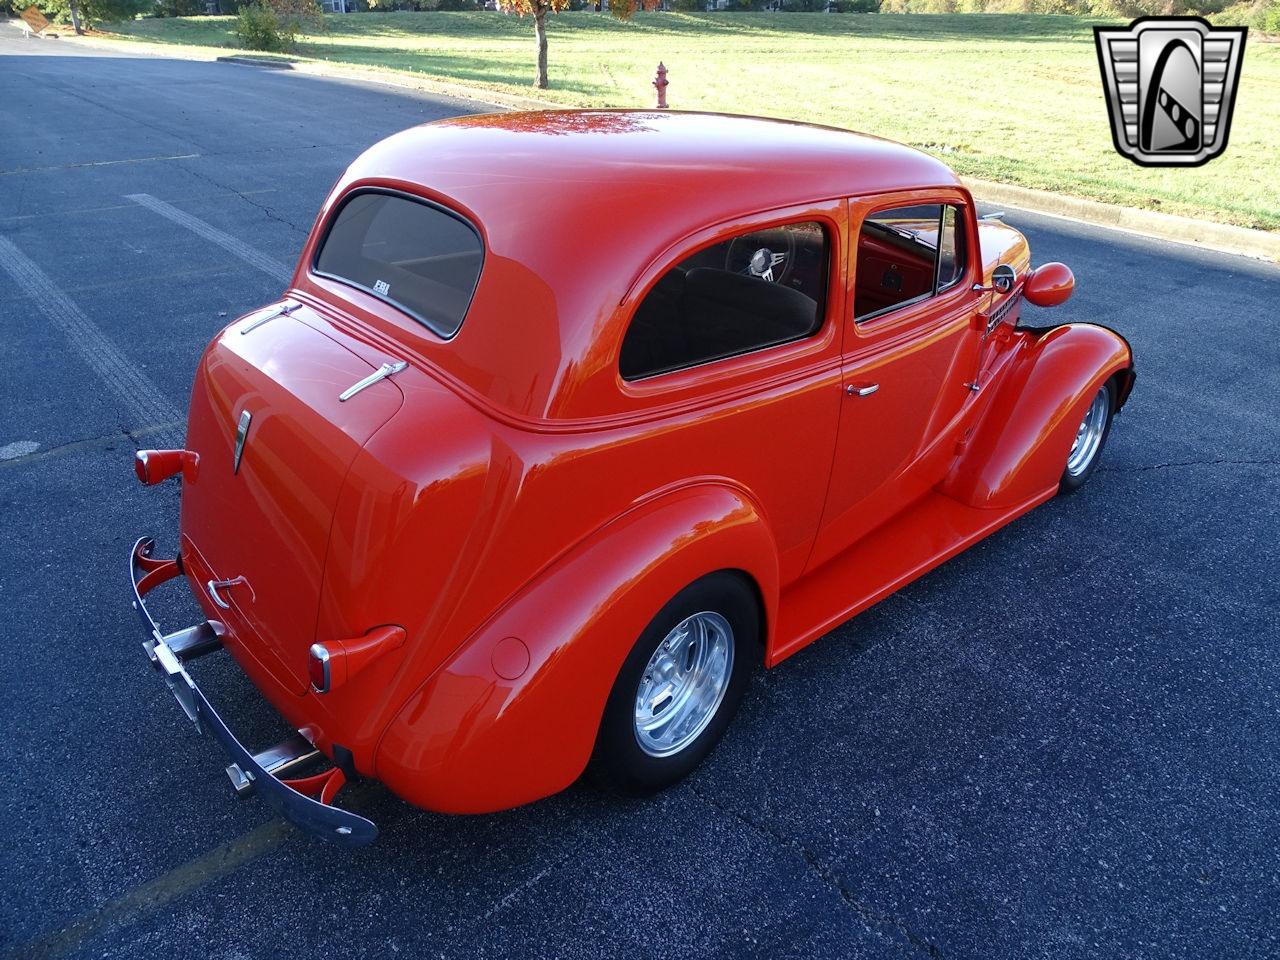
{"x":512,"y":715}
{"x":1019,"y":446}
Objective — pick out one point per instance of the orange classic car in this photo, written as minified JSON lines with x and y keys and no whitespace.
{"x":568,"y":421}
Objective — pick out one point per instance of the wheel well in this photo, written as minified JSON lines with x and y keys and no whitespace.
{"x":1123,"y":380}
{"x":761,"y":616}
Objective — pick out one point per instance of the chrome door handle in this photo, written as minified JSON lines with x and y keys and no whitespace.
{"x":856,"y":391}
{"x":213,"y":586}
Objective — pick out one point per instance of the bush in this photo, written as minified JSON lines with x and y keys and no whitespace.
{"x":457,"y":5}
{"x":258,"y":27}
{"x":275,"y":24}
{"x":1266,"y":16}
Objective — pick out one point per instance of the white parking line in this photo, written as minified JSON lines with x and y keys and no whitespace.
{"x":268,"y":265}
{"x":96,"y":163}
{"x":140,"y":396}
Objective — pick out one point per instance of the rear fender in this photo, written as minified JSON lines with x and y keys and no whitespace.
{"x":512,"y":715}
{"x":1019,"y":445}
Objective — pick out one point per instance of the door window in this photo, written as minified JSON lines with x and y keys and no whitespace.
{"x":755,"y":290}
{"x":905,"y":255}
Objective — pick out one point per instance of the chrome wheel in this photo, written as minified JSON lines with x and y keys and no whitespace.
{"x":1089,"y":435}
{"x":683,"y":684}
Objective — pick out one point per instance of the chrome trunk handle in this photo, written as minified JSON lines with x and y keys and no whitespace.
{"x":213,"y":586}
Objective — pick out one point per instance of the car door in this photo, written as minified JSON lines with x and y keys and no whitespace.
{"x":910,"y":351}
{"x":732,"y":353}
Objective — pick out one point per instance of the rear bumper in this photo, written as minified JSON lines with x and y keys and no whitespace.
{"x":258,"y":773}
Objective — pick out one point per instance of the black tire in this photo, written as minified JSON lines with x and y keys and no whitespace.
{"x":619,"y":761}
{"x":1074,"y":479}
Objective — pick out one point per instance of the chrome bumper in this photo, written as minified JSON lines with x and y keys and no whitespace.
{"x":249,"y":772}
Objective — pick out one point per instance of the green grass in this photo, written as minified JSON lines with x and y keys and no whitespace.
{"x":1011,"y":98}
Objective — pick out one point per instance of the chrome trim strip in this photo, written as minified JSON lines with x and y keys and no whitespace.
{"x":284,"y":311}
{"x":242,"y":434}
{"x":384,"y":371}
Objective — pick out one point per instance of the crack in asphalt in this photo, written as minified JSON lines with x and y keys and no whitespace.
{"x":253,"y":203}
{"x":1226,"y":461}
{"x":822,"y":872}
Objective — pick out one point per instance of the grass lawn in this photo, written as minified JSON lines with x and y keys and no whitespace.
{"x":1011,"y":98}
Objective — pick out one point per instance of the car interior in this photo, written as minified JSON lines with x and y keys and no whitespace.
{"x":898,"y":257}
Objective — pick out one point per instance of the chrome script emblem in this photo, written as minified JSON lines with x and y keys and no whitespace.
{"x":242,"y":432}
{"x":1170,"y":84}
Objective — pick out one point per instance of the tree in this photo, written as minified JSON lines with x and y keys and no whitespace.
{"x":538,"y":9}
{"x":82,"y":13}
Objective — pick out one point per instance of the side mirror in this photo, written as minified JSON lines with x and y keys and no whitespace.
{"x":1049,"y":285}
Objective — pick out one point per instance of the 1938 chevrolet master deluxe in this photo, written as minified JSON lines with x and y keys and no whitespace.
{"x":568,"y":420}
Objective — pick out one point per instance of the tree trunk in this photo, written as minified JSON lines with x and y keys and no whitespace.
{"x":75,"y":17}
{"x":540,"y":31}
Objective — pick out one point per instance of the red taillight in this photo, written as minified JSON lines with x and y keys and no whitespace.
{"x":318,"y":666}
{"x":155,"y":466}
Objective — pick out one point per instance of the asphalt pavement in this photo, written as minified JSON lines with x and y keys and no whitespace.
{"x":1062,"y":743}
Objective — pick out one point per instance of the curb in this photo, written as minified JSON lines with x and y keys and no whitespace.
{"x":1258,"y":244}
{"x":257,"y":62}
{"x":1224,"y":238}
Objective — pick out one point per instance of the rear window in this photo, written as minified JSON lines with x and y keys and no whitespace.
{"x":414,"y":255}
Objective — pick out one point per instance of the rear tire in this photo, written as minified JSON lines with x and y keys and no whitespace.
{"x":1091,"y":437}
{"x":679,"y":687}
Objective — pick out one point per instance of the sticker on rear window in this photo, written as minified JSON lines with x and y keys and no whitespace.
{"x":382,"y":287}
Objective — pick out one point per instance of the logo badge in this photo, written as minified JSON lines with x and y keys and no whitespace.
{"x":242,"y":433}
{"x":1171,"y":85}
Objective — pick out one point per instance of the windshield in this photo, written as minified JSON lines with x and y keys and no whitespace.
{"x":415,"y":255}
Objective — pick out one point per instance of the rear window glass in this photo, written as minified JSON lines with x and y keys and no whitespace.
{"x":414,"y":255}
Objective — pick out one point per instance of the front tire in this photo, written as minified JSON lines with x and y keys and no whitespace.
{"x":1091,"y":436}
{"x":679,"y":687}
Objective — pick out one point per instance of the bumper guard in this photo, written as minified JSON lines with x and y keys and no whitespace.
{"x":249,"y":772}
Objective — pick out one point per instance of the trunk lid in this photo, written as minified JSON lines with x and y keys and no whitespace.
{"x":266,"y":518}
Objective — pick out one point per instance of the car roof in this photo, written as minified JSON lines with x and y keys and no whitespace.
{"x":782,"y":161}
{"x":575,"y":204}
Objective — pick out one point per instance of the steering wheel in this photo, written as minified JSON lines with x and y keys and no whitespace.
{"x":769,"y":255}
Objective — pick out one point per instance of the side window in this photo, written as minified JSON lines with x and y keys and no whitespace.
{"x":905,"y":255}
{"x":755,"y":290}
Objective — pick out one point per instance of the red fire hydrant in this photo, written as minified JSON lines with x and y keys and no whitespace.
{"x":661,"y":84}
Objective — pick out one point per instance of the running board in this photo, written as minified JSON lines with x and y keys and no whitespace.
{"x":907,"y":547}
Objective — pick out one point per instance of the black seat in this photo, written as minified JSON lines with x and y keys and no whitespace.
{"x":704,"y":313}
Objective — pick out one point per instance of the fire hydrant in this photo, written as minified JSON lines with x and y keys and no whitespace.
{"x":661,"y":84}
